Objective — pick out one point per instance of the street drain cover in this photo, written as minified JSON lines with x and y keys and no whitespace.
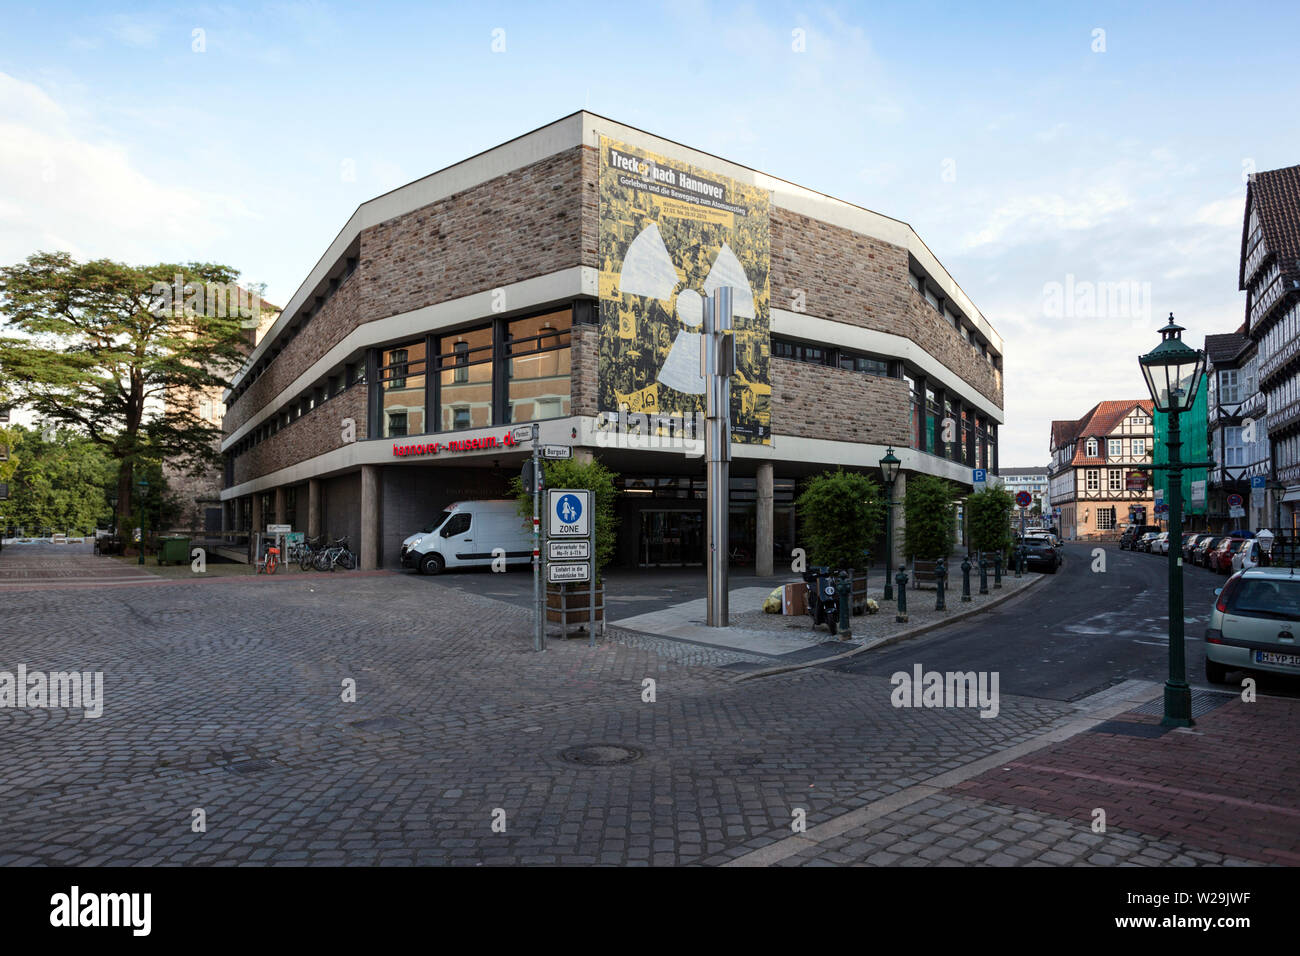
{"x":601,"y":755}
{"x":259,"y":765}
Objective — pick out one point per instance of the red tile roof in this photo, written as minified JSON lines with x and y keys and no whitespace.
{"x":1099,"y":421}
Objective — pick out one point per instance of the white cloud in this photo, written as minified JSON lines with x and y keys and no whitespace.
{"x":69,"y":190}
{"x":1023,"y":217}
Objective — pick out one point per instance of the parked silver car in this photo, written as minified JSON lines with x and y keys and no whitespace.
{"x":1255,"y":624}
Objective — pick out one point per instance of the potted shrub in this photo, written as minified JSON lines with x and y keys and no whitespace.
{"x":570,"y":603}
{"x":840,"y":514}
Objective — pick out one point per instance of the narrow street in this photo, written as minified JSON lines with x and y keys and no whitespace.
{"x":1077,"y":633}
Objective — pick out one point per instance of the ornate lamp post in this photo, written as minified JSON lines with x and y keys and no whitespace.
{"x":1173,"y":374}
{"x":889,"y":472}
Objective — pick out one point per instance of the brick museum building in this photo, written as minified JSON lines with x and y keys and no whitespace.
{"x":559,"y":278}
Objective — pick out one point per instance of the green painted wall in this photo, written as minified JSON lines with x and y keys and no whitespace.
{"x":1194,"y":430}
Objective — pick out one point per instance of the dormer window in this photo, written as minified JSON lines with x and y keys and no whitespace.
{"x":1091,"y":448}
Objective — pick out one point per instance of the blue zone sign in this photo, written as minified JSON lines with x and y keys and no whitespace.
{"x":568,"y":513}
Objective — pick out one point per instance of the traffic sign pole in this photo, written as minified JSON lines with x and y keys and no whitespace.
{"x":539,"y":611}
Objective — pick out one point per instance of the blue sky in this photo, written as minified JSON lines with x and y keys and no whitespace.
{"x":1022,"y":156}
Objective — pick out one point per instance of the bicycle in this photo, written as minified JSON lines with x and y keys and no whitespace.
{"x":308,"y":550}
{"x":269,"y":563}
{"x":336,"y":555}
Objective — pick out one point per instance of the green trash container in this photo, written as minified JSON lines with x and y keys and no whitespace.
{"x":173,"y":549}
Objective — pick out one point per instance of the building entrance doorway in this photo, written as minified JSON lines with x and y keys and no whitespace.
{"x":671,"y":539}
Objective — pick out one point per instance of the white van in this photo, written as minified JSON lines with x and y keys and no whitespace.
{"x":466,"y":534}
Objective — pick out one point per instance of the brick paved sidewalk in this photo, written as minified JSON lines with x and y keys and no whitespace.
{"x":1230,"y":785}
{"x":225,"y":695}
{"x":1222,"y":793}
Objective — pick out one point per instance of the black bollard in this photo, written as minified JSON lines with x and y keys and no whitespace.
{"x":965,"y":578}
{"x":997,"y":570}
{"x":843,"y":601}
{"x":940,"y":584}
{"x":984,"y":575}
{"x":901,"y":579}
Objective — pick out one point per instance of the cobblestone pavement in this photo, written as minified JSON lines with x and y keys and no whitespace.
{"x":225,"y":695}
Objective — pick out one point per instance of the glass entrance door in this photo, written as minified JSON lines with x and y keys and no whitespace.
{"x":672,"y":538}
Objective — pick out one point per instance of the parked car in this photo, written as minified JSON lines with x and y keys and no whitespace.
{"x":1251,"y":555}
{"x":1201,"y":553}
{"x":1220,"y":559}
{"x":1041,"y":555}
{"x":1133,"y":532}
{"x":1040,"y":535}
{"x":1144,"y":543}
{"x":1160,"y":543}
{"x":467,"y":534}
{"x":1190,"y":542}
{"x":1254,"y":624}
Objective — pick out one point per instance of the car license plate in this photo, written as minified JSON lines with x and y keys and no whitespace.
{"x":1268,"y":657}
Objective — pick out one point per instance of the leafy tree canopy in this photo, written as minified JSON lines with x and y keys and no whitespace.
{"x":931,"y":518}
{"x":840,"y":513}
{"x":988,"y":516}
{"x":102,"y":345}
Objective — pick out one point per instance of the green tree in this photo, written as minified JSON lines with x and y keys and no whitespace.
{"x":988,"y":516}
{"x":931,"y":517}
{"x":60,"y":484}
{"x":841,"y":513}
{"x":596,"y":478}
{"x":103,"y":345}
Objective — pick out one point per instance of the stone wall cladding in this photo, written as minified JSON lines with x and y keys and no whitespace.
{"x":819,"y":401}
{"x":526,"y":223}
{"x":319,"y":431}
{"x":582,"y":363}
{"x":336,"y":318}
{"x":855,"y":279}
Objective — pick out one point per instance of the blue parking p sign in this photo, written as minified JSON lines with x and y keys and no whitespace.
{"x":1257,"y":481}
{"x":979,"y":476}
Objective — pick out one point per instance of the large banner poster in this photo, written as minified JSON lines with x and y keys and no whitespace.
{"x":670,"y":234}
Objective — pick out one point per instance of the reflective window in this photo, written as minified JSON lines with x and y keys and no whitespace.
{"x":537,"y":366}
{"x":465,"y":379}
{"x":401,"y":383}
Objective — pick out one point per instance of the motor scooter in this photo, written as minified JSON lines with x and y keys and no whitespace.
{"x":823,"y":607}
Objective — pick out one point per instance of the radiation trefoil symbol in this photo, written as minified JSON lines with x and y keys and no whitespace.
{"x":648,"y":271}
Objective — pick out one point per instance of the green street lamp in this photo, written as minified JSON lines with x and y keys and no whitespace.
{"x":143,"y":485}
{"x":1173,"y":374}
{"x":889,"y":472}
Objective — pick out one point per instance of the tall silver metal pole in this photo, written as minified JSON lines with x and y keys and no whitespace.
{"x":539,"y":612}
{"x":717,"y":427}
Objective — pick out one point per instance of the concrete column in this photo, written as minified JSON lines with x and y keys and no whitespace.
{"x":370,"y":529}
{"x":584,"y":456}
{"x":763,"y":521}
{"x":280,"y":505}
{"x":256,"y":524}
{"x":313,"y":508}
{"x":900,"y":521}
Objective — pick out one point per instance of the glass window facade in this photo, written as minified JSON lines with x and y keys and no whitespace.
{"x":465,"y":379}
{"x":537,"y":367}
{"x":402,"y":390}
